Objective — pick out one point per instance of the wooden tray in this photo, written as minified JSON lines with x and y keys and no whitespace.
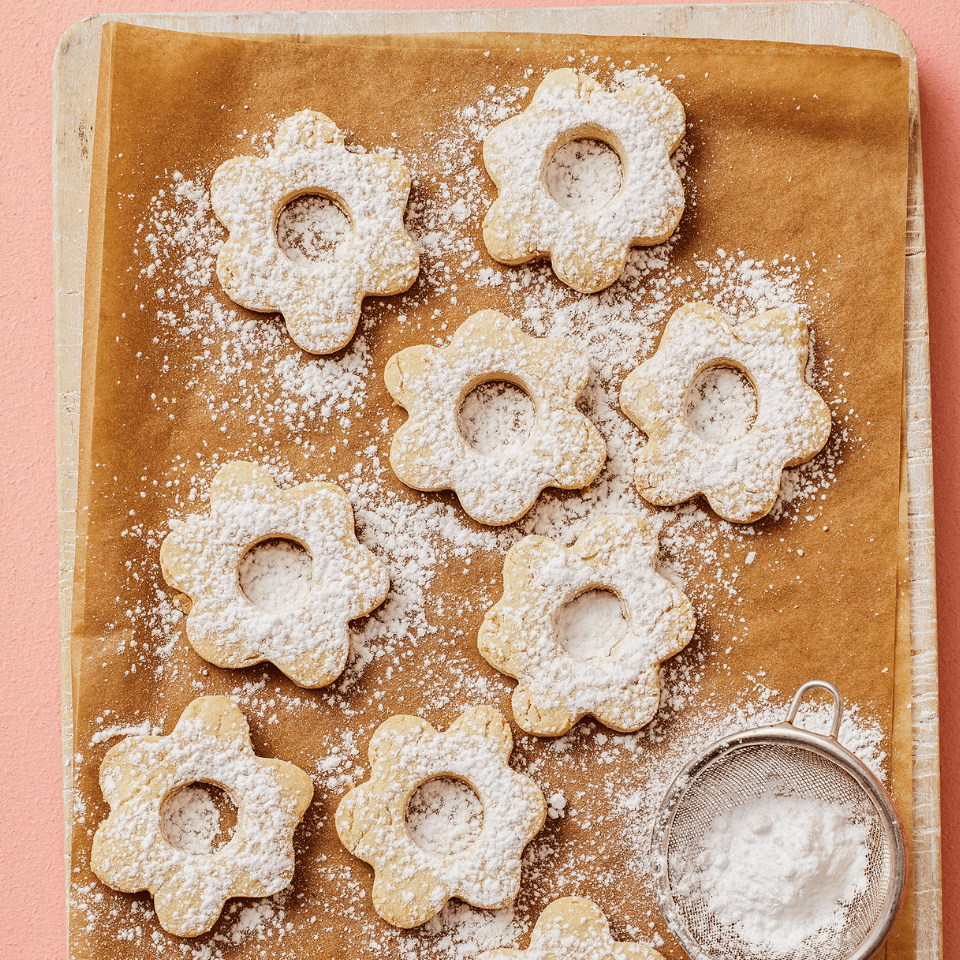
{"x":844,"y":23}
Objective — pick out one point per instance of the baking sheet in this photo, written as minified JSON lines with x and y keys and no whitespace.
{"x":700,"y":202}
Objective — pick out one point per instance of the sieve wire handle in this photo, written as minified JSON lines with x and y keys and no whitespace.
{"x":837,"y":703}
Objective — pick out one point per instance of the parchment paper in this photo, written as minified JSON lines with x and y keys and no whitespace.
{"x":791,"y":152}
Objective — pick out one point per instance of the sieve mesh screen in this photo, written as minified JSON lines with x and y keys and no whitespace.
{"x":738,"y":776}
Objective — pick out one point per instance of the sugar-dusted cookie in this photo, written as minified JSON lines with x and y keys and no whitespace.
{"x":520,"y":637}
{"x":574,"y":928}
{"x":210,"y":744}
{"x":320,"y":302}
{"x":412,"y":885}
{"x":741,"y":478}
{"x":588,"y":248}
{"x":564,"y":448}
{"x":308,"y":641}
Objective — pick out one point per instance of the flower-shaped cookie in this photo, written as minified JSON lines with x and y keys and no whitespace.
{"x":588,"y":249}
{"x":574,"y":928}
{"x":210,"y":744}
{"x":412,"y":885}
{"x":564,"y":448}
{"x":520,"y":637}
{"x":320,"y":303}
{"x":310,"y":641}
{"x":740,"y":479}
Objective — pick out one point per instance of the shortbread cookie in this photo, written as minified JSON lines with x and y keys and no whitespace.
{"x":519,"y":635}
{"x":564,"y":448}
{"x":574,"y":928}
{"x":310,"y":641}
{"x":210,"y":744}
{"x":320,"y":302}
{"x":740,"y":479}
{"x":412,"y":885}
{"x":644,"y":124}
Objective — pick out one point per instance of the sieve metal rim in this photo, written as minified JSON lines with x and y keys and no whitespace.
{"x":825,"y":746}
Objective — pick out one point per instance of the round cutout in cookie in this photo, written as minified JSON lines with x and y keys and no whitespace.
{"x":275,"y":574}
{"x":444,"y":816}
{"x":311,"y":228}
{"x":721,"y":404}
{"x":198,"y":818}
{"x":584,"y":175}
{"x":496,"y":417}
{"x":592,"y":625}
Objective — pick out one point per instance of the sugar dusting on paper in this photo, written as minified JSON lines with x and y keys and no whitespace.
{"x":243,"y":372}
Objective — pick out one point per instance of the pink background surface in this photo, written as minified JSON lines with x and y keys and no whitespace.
{"x":32,"y":910}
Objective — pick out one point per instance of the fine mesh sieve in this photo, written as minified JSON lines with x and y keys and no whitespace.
{"x":792,"y":762}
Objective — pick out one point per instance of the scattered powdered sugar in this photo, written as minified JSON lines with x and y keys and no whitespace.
{"x":686,"y":734}
{"x":780,"y":869}
{"x":254,"y":397}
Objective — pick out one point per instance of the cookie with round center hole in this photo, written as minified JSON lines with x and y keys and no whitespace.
{"x":428,"y":452}
{"x":587,"y":248}
{"x":574,"y":928}
{"x":320,"y":301}
{"x":741,"y":478}
{"x":411,"y":885}
{"x":520,"y":636}
{"x":309,"y":640}
{"x":210,"y":744}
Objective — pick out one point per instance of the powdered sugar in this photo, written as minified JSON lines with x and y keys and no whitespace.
{"x":496,"y":418}
{"x":275,"y":575}
{"x":444,"y":816}
{"x":310,"y":229}
{"x":190,"y":819}
{"x":780,"y":869}
{"x":251,"y":395}
{"x":584,"y":175}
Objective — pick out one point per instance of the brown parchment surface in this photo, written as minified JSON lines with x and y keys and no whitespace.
{"x":794,"y":151}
